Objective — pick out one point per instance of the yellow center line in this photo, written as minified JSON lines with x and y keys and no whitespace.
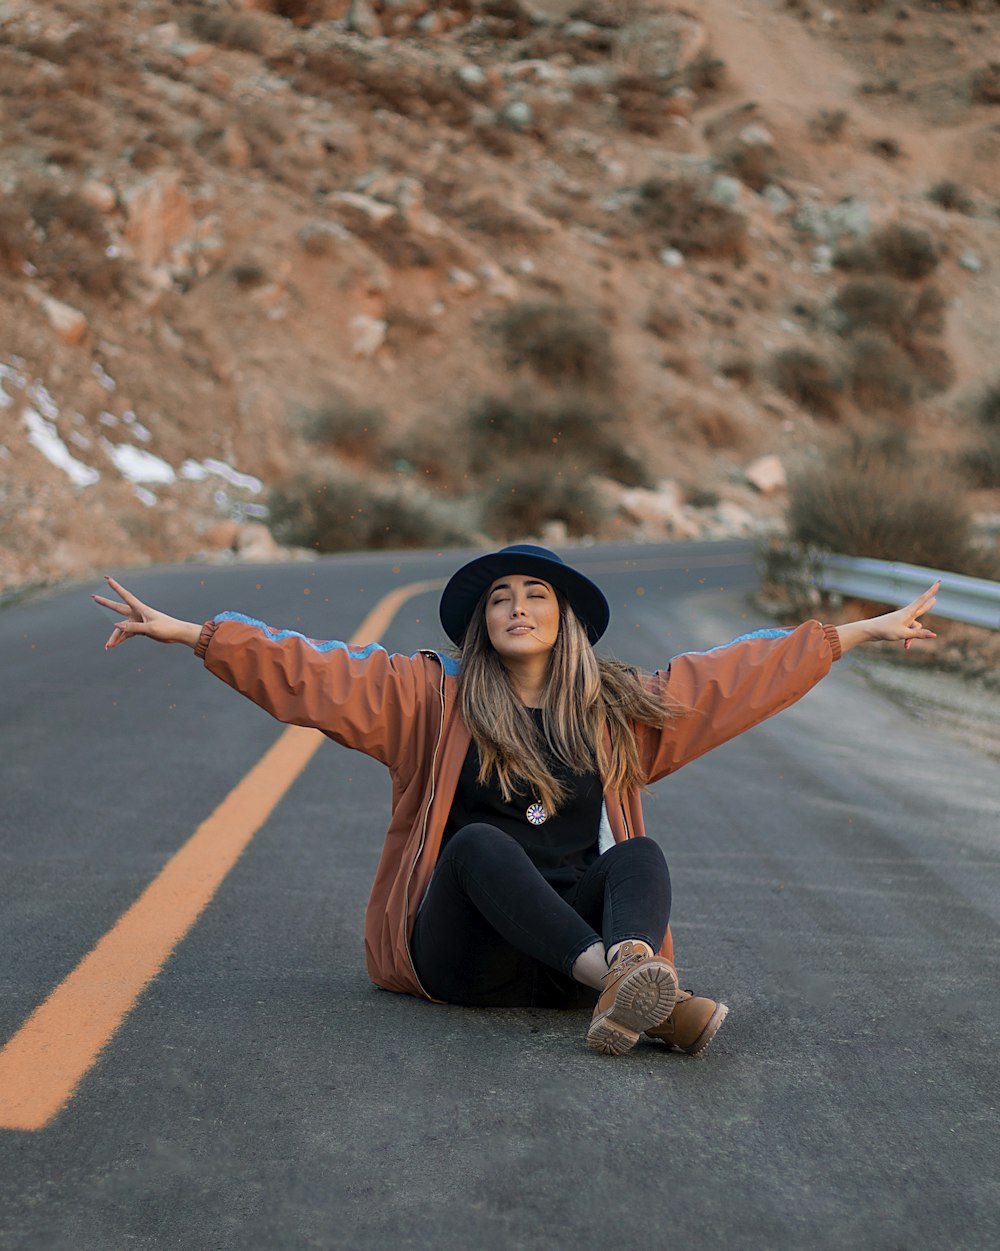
{"x":45,"y":1061}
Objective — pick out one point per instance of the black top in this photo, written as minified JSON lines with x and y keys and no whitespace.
{"x":563,"y":844}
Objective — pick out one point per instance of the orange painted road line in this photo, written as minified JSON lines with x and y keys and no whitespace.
{"x":44,"y":1063}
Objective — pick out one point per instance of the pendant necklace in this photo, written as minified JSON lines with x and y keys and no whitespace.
{"x":536,"y":813}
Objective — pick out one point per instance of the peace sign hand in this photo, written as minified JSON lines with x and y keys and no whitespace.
{"x":141,"y":619}
{"x":904,"y":623}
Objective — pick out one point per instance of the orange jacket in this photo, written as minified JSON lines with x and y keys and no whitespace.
{"x":401,"y":710}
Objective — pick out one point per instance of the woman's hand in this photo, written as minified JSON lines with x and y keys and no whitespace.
{"x":903,"y":625}
{"x":141,"y":619}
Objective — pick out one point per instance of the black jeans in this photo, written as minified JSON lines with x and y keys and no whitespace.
{"x":492,"y":931}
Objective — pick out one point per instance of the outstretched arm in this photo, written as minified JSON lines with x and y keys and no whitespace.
{"x":139,"y":618}
{"x":903,"y":625}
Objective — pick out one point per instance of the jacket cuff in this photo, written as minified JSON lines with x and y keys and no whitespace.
{"x":833,"y":638}
{"x":207,"y":630}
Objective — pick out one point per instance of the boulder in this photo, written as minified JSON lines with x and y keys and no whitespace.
{"x":68,"y":322}
{"x":767,"y":475}
{"x":367,"y":335}
{"x":158,"y":216}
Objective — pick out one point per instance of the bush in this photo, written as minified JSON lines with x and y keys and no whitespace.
{"x":988,"y":406}
{"x":888,"y":309}
{"x":231,"y":30}
{"x":345,"y":425}
{"x":885,"y":508}
{"x":562,"y":344}
{"x":335,"y":512}
{"x":681,"y":213}
{"x":949,"y":195}
{"x":809,"y":379}
{"x":905,"y":252}
{"x":881,"y":374}
{"x":523,"y":500}
{"x":568,"y":435}
{"x":981,"y":462}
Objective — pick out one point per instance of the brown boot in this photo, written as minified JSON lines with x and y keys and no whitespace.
{"x":693,"y":1023}
{"x":638,"y":993}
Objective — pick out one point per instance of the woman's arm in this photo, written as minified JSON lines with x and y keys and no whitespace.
{"x":361,"y":697}
{"x":901,"y":625}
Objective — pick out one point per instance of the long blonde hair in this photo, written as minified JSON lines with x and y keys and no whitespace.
{"x":583,"y":696}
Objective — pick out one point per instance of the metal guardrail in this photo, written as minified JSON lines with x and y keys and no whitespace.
{"x":973,"y":600}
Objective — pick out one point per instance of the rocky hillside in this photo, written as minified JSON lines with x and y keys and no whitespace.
{"x":391,"y":272}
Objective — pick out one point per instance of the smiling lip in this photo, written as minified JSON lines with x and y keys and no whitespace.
{"x":519,"y":629}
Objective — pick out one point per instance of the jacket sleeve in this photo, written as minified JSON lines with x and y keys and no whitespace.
{"x":361,"y":697}
{"x":718,"y":694}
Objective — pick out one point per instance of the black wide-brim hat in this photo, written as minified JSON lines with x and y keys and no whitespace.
{"x":466,"y":587}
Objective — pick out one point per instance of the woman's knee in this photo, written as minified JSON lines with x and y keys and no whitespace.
{"x":477,"y":844}
{"x":641,"y":851}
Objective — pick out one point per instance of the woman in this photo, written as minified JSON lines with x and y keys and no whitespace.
{"x":514,"y":871}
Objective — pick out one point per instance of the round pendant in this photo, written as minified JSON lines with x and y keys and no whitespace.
{"x":536,"y":814}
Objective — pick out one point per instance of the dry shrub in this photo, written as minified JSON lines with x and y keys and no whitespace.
{"x":346,"y":426}
{"x":981,"y":461}
{"x":985,"y":84}
{"x":569,"y":434}
{"x":708,"y":424}
{"x":809,"y":379}
{"x":988,"y":406}
{"x":332,"y":512}
{"x":828,"y":125}
{"x":949,"y":195}
{"x":414,"y":92}
{"x":905,"y":252}
{"x":231,"y":30}
{"x":868,"y":503}
{"x":564,"y":345}
{"x":681,"y":213}
{"x":755,"y":165}
{"x":521,"y":501}
{"x":911,"y":320}
{"x":881,"y":374}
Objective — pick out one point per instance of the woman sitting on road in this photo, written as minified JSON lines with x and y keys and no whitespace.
{"x":514,"y":871}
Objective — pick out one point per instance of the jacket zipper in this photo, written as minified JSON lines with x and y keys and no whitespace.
{"x":423,"y":839}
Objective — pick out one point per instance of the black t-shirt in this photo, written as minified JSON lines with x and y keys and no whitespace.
{"x":563,"y":844}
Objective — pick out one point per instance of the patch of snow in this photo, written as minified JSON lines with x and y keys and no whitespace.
{"x":43,"y":401}
{"x":195,"y":471}
{"x":79,"y":439}
{"x":108,"y":419}
{"x":146,"y":497}
{"x":44,"y":436}
{"x":141,"y":433}
{"x":136,"y":465}
{"x":104,"y":378}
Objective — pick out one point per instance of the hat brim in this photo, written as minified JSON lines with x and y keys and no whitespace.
{"x":467,"y":585}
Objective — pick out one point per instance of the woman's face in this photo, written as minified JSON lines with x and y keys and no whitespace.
{"x":522,"y":617}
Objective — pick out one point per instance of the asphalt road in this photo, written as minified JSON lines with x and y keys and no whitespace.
{"x":837,"y":882}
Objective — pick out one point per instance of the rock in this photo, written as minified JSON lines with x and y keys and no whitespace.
{"x":472,"y":75}
{"x":255,"y":543}
{"x":672,"y":258}
{"x":191,"y":53}
{"x":971,"y":262}
{"x":850,"y":217}
{"x":517,"y":115}
{"x":660,"y":511}
{"x":729,"y":192}
{"x":778,"y":200}
{"x":68,"y":323}
{"x":235,"y":148}
{"x":462,"y":281}
{"x":361,"y":210}
{"x":158,"y":216}
{"x":367,"y":335}
{"x":731,"y":520}
{"x":99,"y":195}
{"x":767,"y":475}
{"x":362,"y":20}
{"x":322,"y":238}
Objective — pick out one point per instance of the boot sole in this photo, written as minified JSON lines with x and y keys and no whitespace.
{"x":643,"y":1000}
